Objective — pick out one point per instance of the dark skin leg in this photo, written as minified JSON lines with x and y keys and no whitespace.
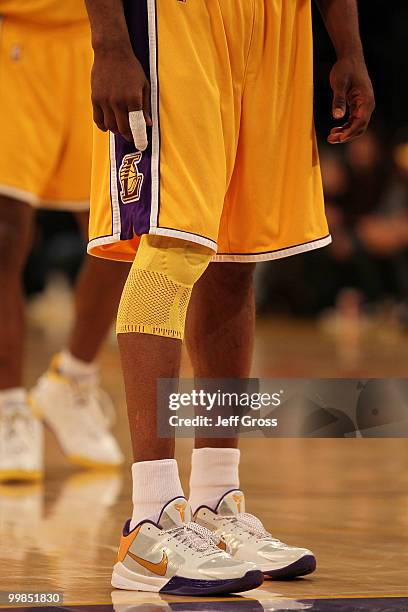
{"x":212,"y":332}
{"x":97,"y":296}
{"x":16,"y":226}
{"x":220,"y":329}
{"x":145,"y":358}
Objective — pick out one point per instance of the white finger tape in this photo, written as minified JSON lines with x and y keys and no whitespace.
{"x":138,"y":127}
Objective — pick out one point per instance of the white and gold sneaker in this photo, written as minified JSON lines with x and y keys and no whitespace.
{"x":79,"y":413}
{"x":246,"y":539}
{"x":179,"y":557}
{"x":21,"y":439}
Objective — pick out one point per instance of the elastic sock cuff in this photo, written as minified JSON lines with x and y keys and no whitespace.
{"x":156,"y":481}
{"x":148,"y":329}
{"x":215,"y":467}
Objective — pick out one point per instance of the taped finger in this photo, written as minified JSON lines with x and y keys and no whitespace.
{"x":138,"y":127}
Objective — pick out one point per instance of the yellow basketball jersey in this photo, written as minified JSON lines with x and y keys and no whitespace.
{"x":46,"y":12}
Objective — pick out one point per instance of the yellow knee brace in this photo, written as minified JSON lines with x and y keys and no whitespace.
{"x":158,"y":289}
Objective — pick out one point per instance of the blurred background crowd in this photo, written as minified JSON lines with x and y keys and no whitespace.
{"x":365,"y":271}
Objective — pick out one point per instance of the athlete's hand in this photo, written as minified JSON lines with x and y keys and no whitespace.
{"x":120,"y":89}
{"x":352,"y":92}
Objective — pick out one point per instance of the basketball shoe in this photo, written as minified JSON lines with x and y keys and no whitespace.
{"x":79,"y":413}
{"x":245,"y":538}
{"x":21,"y":439}
{"x":178,"y":556}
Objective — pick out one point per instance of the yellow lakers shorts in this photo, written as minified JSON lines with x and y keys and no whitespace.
{"x":232,"y":162}
{"x":45,"y":113}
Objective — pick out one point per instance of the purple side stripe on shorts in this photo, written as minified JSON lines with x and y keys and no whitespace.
{"x":133,"y":169}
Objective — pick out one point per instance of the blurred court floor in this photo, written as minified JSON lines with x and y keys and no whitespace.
{"x":346,"y":499}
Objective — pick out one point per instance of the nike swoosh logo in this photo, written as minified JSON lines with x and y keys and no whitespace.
{"x":159,"y":569}
{"x":222,"y":545}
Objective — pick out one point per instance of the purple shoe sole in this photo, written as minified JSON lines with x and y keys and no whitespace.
{"x":301,"y":567}
{"x":184,"y":586}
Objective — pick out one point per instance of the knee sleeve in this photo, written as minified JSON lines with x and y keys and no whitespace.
{"x":158,"y":289}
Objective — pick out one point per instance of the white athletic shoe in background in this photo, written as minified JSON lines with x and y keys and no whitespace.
{"x":246,"y":539}
{"x":179,"y":557}
{"x":79,"y":413}
{"x":21,"y":439}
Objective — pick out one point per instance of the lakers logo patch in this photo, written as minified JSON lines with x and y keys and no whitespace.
{"x":131,"y":179}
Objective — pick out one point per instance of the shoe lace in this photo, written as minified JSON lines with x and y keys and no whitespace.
{"x":197,"y":537}
{"x":252,"y":524}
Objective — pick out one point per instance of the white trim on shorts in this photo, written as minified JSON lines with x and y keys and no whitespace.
{"x":116,"y":222}
{"x":272,"y":255}
{"x":154,"y":101}
{"x":182,"y":235}
{"x":224,"y":257}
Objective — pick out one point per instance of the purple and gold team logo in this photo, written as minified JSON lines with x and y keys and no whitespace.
{"x":131,"y":180}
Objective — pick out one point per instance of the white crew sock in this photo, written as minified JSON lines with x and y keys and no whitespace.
{"x":16,"y":395}
{"x":75,"y":368}
{"x":154,"y":484}
{"x":214,"y":472}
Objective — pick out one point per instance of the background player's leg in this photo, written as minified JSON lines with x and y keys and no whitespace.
{"x":21,"y":447}
{"x":219,"y":335}
{"x":97,"y":296}
{"x":16,"y":223}
{"x":220,"y":328}
{"x":73,"y":379}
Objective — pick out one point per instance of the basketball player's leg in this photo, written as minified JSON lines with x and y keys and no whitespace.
{"x":220,"y":337}
{"x":220,"y":343}
{"x":150,"y":329}
{"x":16,"y":222}
{"x":152,"y":357}
{"x":220,"y":328}
{"x":21,"y":453}
{"x":97,"y":294}
{"x":211,"y":334}
{"x":151,"y":321}
{"x":150,"y":326}
{"x":73,"y":376}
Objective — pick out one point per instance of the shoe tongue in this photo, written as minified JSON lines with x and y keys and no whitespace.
{"x":232,"y":502}
{"x":175,"y":514}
